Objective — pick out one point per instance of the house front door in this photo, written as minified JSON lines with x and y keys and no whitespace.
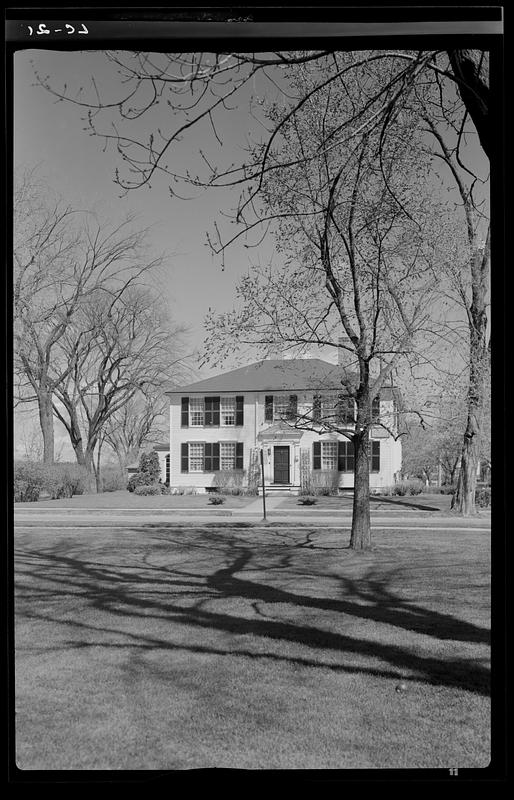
{"x":281,"y":464}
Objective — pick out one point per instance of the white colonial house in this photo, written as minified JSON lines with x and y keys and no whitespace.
{"x":220,"y":425}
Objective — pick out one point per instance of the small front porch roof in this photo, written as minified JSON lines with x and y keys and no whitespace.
{"x":281,"y":432}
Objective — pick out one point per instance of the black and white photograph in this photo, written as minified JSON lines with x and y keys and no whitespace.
{"x":252,"y":349}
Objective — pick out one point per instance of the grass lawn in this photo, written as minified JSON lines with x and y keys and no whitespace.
{"x":159,"y":647}
{"x":420,"y":502}
{"x":127,"y":500}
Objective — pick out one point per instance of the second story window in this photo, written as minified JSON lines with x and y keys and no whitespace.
{"x":228,"y":410}
{"x":280,"y":406}
{"x":196,"y":411}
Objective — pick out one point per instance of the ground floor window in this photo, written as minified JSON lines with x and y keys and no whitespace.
{"x":210,"y":456}
{"x":196,"y":456}
{"x":167,"y":462}
{"x":340,"y":456}
{"x":227,"y":455}
{"x":329,"y":455}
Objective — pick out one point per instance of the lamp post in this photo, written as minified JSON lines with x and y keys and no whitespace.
{"x":263,"y":485}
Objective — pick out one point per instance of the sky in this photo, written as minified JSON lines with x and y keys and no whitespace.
{"x":51,"y":135}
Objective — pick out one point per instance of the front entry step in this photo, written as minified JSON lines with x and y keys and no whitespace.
{"x":279,"y":490}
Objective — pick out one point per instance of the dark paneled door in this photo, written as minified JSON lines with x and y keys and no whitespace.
{"x":281,"y":465}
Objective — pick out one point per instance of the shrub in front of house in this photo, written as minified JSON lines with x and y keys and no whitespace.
{"x":230,"y":481}
{"x":64,"y":480}
{"x":404,"y":488}
{"x":148,"y":489}
{"x":28,"y":481}
{"x":325,"y":482}
{"x":148,"y":474}
{"x":217,"y":499}
{"x":307,"y":500}
{"x":113,"y":479}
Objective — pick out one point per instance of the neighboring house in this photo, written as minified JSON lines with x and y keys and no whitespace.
{"x":219,"y":425}
{"x":163,"y":451}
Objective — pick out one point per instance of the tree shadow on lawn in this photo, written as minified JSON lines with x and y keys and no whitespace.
{"x":145,"y":591}
{"x":401,"y":503}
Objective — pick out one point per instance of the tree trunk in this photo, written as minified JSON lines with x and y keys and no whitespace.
{"x":361,"y":524}
{"x":464,"y":498}
{"x":91,"y":481}
{"x":98,"y":471}
{"x":46,"y":420}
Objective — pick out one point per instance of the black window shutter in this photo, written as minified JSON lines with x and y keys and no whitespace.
{"x":207,"y":457}
{"x":185,"y":414}
{"x":216,"y":411}
{"x":375,"y":456}
{"x":293,"y":406}
{"x":239,"y":455}
{"x":375,"y":409}
{"x":350,"y":457}
{"x":215,"y":456}
{"x":184,"y":457}
{"x":316,"y":455}
{"x":268,"y":408}
{"x":341,"y":456}
{"x":240,"y":410}
{"x":316,"y":408}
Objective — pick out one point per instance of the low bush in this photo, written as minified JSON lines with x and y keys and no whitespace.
{"x":28,"y":481}
{"x":407,"y":487}
{"x":64,"y":480}
{"x":307,"y":500}
{"x":230,"y":481}
{"x":483,"y":497}
{"x":148,"y":489}
{"x":31,"y":478}
{"x":113,"y":479}
{"x":217,"y":499}
{"x":325,"y":483}
{"x":439,"y":489}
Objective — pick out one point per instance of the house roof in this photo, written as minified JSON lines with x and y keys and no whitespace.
{"x":273,"y":375}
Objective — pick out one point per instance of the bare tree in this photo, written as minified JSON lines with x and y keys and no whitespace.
{"x":199,"y":88}
{"x":359,"y":270}
{"x":64,"y":261}
{"x":143,"y":420}
{"x":131,"y":349}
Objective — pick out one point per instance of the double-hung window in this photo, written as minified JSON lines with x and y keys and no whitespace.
{"x":227,"y":455}
{"x":196,"y":456}
{"x":332,"y":456}
{"x":228,"y":411}
{"x":346,"y":409}
{"x":281,"y":406}
{"x":329,"y":455}
{"x":196,"y":412}
{"x":329,"y":409}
